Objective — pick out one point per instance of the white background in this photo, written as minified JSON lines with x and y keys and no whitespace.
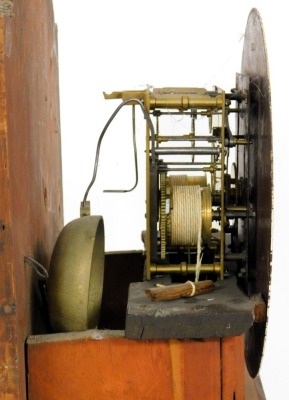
{"x":119,"y":45}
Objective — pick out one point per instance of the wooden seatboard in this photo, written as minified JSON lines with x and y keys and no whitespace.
{"x":226,"y":311}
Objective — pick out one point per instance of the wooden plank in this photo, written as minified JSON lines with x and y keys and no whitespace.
{"x":233,"y":378}
{"x":8,"y":321}
{"x":31,"y":213}
{"x":105,"y":365}
{"x":226,"y":311}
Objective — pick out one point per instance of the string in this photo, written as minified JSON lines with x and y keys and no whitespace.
{"x":235,"y":48}
{"x":186,"y":219}
{"x":37,"y":267}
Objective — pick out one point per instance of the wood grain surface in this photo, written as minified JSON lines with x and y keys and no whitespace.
{"x":115,"y":367}
{"x":105,"y":365}
{"x":31,"y":214}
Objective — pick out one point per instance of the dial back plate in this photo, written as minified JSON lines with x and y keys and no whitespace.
{"x":255,"y":168}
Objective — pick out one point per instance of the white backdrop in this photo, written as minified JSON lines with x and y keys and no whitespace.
{"x":119,"y":45}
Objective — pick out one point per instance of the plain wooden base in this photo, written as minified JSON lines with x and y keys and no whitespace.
{"x":104,"y":365}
